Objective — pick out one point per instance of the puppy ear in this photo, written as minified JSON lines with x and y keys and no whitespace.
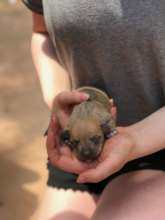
{"x":106,"y":128}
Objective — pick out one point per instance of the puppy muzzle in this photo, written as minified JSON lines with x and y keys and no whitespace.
{"x":88,"y":152}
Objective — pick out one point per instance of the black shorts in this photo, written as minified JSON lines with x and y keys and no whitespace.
{"x":60,"y":179}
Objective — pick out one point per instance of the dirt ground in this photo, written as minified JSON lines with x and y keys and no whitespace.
{"x":23,"y":119}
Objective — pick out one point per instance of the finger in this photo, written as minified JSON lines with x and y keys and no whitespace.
{"x":98,"y":174}
{"x":111,"y":164}
{"x":70,"y":98}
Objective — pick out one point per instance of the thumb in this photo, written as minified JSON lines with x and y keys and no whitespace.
{"x":70,"y":98}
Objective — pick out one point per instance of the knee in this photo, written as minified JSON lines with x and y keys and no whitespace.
{"x":139,"y":195}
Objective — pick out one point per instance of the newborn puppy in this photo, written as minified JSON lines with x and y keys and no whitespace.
{"x":89,"y":125}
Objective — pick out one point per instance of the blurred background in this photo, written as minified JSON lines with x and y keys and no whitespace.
{"x":23,"y":118}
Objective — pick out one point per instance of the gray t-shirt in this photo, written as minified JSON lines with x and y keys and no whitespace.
{"x":117,"y":46}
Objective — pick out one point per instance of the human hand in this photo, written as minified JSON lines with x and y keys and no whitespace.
{"x":116,"y":153}
{"x":60,"y":155}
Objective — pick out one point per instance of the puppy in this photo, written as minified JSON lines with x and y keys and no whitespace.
{"x":89,"y":125}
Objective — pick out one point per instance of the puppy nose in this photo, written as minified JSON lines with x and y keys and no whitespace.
{"x":87,"y":154}
{"x":86,"y":151}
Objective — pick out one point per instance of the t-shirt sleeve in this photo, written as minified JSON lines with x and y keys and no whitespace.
{"x":34,"y":5}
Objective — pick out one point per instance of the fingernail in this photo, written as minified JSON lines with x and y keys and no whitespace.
{"x":81,"y":179}
{"x":111,"y":101}
{"x":85,"y":96}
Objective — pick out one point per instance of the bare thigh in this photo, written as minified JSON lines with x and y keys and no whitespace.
{"x":60,"y":204}
{"x":133,"y":196}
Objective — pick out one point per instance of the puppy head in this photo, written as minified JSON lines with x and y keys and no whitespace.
{"x":85,"y":139}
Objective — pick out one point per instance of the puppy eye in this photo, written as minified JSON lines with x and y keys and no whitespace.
{"x":95,"y":139}
{"x":75,"y":143}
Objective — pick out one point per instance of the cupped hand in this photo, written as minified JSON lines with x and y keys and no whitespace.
{"x":60,"y":155}
{"x":116,"y":153}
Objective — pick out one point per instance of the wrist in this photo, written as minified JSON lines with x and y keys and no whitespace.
{"x":137,"y":141}
{"x":147,"y":138}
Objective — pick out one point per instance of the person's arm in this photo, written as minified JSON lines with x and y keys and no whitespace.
{"x":135,"y":141}
{"x":52,"y":76}
{"x":149,"y":134}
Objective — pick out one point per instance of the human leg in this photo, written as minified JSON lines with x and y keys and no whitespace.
{"x":61,"y":204}
{"x":133,"y":196}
